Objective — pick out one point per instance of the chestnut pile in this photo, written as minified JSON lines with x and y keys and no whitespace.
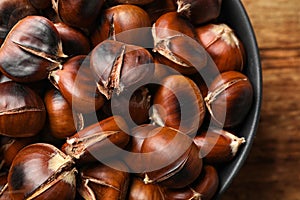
{"x":118,"y":99}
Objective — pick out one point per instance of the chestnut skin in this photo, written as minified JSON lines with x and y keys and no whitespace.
{"x":172,"y":159}
{"x":74,"y":41}
{"x":229,"y":98}
{"x":177,"y":44}
{"x":10,"y":148}
{"x":22,"y":111}
{"x":11,"y":11}
{"x":223,"y":45}
{"x":100,"y":141}
{"x":117,"y":66}
{"x":30,"y":49}
{"x":217,"y":145}
{"x":178,"y":103}
{"x":81,"y":13}
{"x":117,"y":19}
{"x":41,"y":171}
{"x":199,"y":11}
{"x":76,"y":83}
{"x":104,"y":181}
{"x":139,"y":190}
{"x":60,"y":115}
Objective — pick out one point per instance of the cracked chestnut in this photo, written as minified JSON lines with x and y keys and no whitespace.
{"x":100,"y":141}
{"x":229,"y":98}
{"x":104,"y":181}
{"x":30,"y":49}
{"x":22,"y":111}
{"x":178,"y":103}
{"x":171,"y":158}
{"x":118,"y":66}
{"x":41,"y":171}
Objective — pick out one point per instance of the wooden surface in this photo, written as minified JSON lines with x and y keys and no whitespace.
{"x":272,"y":170}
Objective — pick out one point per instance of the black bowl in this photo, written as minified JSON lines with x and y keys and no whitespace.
{"x":233,"y":14}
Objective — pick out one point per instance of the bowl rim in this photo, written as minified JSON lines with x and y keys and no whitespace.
{"x":253,"y":59}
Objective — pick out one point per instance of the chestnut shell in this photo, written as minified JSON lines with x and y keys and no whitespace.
{"x":30,"y":49}
{"x":22,"y":111}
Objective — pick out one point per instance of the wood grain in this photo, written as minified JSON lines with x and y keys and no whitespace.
{"x":272,"y":168}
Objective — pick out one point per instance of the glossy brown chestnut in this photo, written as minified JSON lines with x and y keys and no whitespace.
{"x":74,"y":42}
{"x":138,"y":108}
{"x":80,"y":14}
{"x":134,"y":159}
{"x":22,"y":111}
{"x":218,"y":146}
{"x":207,"y":183}
{"x":170,"y":24}
{"x":30,"y":49}
{"x":117,"y":19}
{"x":60,"y":115}
{"x":41,"y":171}
{"x":10,"y":147}
{"x":139,"y":190}
{"x":224,"y":47}
{"x":11,"y":11}
{"x":118,"y":66}
{"x":76,"y":83}
{"x":99,"y":141}
{"x":199,"y":11}
{"x":203,"y":188}
{"x":178,"y":103}
{"x":172,"y":159}
{"x":229,"y":98}
{"x":101,"y":181}
{"x":176,"y":42}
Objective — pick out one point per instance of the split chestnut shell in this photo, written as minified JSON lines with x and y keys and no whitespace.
{"x":229,"y":98}
{"x":22,"y":111}
{"x":41,"y":171}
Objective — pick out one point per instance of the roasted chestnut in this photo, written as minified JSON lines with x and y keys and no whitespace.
{"x":76,"y":83}
{"x":61,"y":123}
{"x":199,"y":11}
{"x":80,"y":14}
{"x":11,"y":11}
{"x":178,"y":103}
{"x":10,"y":147}
{"x":171,"y":159}
{"x":224,"y":47}
{"x":99,"y":141}
{"x":74,"y":42}
{"x":30,"y":49}
{"x":204,"y":187}
{"x":22,"y":111}
{"x":139,"y":190}
{"x":101,"y":181}
{"x":41,"y":171}
{"x":118,"y":66}
{"x":176,"y":43}
{"x":229,"y":98}
{"x":217,"y":145}
{"x":138,"y":108}
{"x":134,"y":159}
{"x":118,"y":19}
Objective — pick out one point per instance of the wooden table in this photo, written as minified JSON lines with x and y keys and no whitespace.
{"x":272,"y":170}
